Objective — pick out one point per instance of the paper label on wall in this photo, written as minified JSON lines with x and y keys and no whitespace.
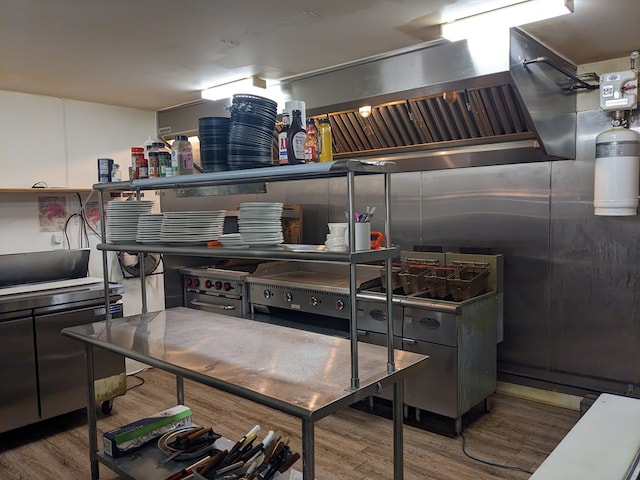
{"x":52,"y":213}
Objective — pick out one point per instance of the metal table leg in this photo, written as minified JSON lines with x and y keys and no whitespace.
{"x":180,"y":389}
{"x":398,"y":445}
{"x":308,"y":460}
{"x":91,"y":414}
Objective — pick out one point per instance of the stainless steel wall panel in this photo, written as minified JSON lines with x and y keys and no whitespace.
{"x":406,"y":210}
{"x":505,"y":208}
{"x":594,"y":331}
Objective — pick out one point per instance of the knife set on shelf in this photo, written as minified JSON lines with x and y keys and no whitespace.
{"x":242,"y":460}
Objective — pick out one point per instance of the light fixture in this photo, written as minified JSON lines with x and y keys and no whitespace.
{"x":365,"y":111}
{"x":510,"y":16}
{"x":253,"y":85}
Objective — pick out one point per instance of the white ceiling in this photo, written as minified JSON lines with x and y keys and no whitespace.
{"x":154,"y":54}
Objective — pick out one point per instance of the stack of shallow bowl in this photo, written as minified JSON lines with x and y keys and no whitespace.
{"x":149,"y":226}
{"x":122,"y":219}
{"x":192,"y":228}
{"x":232,"y":240}
{"x":213,"y":133}
{"x":253,"y":120}
{"x":260,"y":224}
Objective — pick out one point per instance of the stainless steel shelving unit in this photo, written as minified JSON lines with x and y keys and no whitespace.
{"x":305,"y":374}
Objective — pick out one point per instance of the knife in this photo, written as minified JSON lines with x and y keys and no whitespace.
{"x":240,"y":443}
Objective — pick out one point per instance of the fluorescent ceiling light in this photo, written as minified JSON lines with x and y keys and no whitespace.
{"x":253,"y":85}
{"x":513,"y":15}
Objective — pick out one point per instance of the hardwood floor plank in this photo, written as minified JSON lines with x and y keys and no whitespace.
{"x":350,"y":445}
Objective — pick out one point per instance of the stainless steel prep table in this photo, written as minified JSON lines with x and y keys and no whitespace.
{"x":297,"y":372}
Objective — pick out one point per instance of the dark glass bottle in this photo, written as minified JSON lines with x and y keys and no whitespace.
{"x":295,"y":139}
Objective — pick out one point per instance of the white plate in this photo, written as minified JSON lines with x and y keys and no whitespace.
{"x":261,"y":204}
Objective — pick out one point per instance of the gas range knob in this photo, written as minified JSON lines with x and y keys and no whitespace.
{"x":195,"y":282}
{"x":208,"y":284}
{"x":226,"y":286}
{"x":217,"y":285}
{"x":314,"y":301}
{"x":288,"y":297}
{"x":187,"y":282}
{"x":340,"y":304}
{"x":267,"y":294}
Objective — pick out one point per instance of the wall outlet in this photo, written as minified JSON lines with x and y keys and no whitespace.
{"x":56,"y":238}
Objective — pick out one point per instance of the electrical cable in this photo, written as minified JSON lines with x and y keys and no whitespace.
{"x":486,"y":462}
{"x":66,"y":224}
{"x":139,"y":384}
{"x":86,"y":222}
{"x":83,"y":226}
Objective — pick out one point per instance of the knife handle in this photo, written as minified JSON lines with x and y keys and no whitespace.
{"x":288,"y":463}
{"x":269,"y":453}
{"x":212,"y":462}
{"x":198,"y":433}
{"x":187,"y":432}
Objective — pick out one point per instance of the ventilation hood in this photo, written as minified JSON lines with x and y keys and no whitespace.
{"x":450,"y":105}
{"x":443,"y":105}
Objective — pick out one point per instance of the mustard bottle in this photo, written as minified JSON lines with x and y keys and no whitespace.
{"x":326,"y":141}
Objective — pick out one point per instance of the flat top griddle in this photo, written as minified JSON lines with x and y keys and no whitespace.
{"x":317,"y":277}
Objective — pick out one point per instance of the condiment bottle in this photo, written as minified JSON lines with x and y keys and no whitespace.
{"x":116,"y":174}
{"x":154,"y":164}
{"x":154,"y":152}
{"x":295,"y":139}
{"x":282,"y":140}
{"x":164,"y":160}
{"x":181,"y":156}
{"x":148,"y":145}
{"x":326,"y":141}
{"x":137,"y":156}
{"x":311,"y":142}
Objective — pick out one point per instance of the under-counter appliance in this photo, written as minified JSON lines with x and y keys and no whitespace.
{"x":317,"y":288}
{"x":459,"y":331}
{"x":42,"y":373}
{"x":216,"y":290}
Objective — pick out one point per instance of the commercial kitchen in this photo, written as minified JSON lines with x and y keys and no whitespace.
{"x":486,"y":329}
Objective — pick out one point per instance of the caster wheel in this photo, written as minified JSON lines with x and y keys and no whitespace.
{"x":107,"y":406}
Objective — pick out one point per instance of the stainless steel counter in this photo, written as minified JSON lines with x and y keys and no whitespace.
{"x":301,"y":373}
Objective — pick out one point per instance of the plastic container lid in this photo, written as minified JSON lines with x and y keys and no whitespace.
{"x":137,"y":149}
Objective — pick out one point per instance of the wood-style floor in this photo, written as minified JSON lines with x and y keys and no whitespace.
{"x":350,"y":445}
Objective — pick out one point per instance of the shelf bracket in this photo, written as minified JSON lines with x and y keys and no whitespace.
{"x":578,"y":82}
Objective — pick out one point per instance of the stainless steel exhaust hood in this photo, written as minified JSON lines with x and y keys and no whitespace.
{"x":446,"y":105}
{"x":443,"y":105}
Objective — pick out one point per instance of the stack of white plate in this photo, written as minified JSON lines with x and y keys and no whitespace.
{"x":232,"y":240}
{"x":149,"y":225}
{"x":192,"y":227}
{"x":122,"y":219}
{"x":260,"y":224}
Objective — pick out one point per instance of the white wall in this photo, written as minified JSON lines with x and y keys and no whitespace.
{"x":58,"y":141}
